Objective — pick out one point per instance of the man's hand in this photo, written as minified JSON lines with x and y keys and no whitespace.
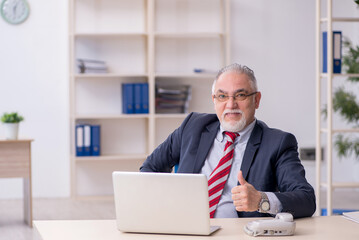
{"x":245,"y":197}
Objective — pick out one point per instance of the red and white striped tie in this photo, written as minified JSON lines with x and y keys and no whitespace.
{"x":219,"y":176}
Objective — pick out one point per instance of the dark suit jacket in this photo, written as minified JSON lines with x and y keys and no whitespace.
{"x":270,"y":161}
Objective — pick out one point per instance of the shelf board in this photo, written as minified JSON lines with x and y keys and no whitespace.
{"x":341,"y":19}
{"x":323,"y":130}
{"x":24,"y":140}
{"x":94,"y":197}
{"x":342,"y":185}
{"x":343,"y":130}
{"x":171,"y":115}
{"x":110,"y":34}
{"x":340,"y":75}
{"x":346,"y":130}
{"x":110,"y":116}
{"x":111,"y":158}
{"x":109,"y":75}
{"x":186,"y":75}
{"x":188,"y":35}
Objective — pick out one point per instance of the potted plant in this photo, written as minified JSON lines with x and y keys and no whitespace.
{"x":345,"y":103}
{"x":11,"y":124}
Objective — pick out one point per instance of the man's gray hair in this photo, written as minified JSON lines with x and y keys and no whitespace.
{"x":235,"y":67}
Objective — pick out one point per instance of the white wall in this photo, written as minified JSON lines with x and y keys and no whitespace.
{"x":34,"y":82}
{"x":275,"y":38}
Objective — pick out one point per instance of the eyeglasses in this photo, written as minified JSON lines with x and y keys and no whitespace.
{"x":221,"y":97}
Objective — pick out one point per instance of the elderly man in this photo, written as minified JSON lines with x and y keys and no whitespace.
{"x":252,"y":170}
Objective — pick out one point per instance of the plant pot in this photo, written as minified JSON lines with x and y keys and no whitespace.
{"x":11,"y":130}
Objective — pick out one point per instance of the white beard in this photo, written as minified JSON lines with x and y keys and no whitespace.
{"x":234,"y":126}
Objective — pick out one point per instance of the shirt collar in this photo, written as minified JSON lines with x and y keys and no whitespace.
{"x":244,"y":134}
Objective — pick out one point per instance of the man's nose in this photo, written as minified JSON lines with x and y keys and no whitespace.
{"x":231,"y":103}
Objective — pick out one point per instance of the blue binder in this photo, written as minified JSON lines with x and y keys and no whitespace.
{"x":137,"y":97}
{"x":87,"y":140}
{"x":79,"y":140}
{"x":127,"y":98}
{"x":95,"y":140}
{"x":337,"y":52}
{"x":144,"y":98}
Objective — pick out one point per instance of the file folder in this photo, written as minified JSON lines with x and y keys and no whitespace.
{"x":87,"y":140}
{"x":79,"y":139}
{"x":337,"y":52}
{"x":127,"y":98}
{"x":95,"y":140}
{"x":144,"y":98}
{"x":137,"y":97}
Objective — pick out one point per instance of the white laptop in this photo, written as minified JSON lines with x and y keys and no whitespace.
{"x":162,"y":203}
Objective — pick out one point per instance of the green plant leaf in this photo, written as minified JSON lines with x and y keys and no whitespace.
{"x":346,"y":105}
{"x":345,"y":102}
{"x":346,"y":146}
{"x":351,"y":59}
{"x":11,"y":118}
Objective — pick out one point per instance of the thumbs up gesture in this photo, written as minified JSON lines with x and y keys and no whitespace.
{"x":245,"y":197}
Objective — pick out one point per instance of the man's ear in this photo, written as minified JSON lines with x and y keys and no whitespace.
{"x":258,"y":99}
{"x":214,"y":104}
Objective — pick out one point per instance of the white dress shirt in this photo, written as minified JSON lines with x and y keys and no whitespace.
{"x":225,"y":208}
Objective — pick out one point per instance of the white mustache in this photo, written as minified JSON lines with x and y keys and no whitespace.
{"x":231,"y":111}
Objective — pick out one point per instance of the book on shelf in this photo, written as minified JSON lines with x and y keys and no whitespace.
{"x":95,"y":140}
{"x":79,"y":140}
{"x":91,"y":66}
{"x":172,"y":98}
{"x":135,"y":98}
{"x":337,"y":52}
{"x":87,"y":140}
{"x":128,"y":98}
{"x":204,"y":71}
{"x":144,"y":98}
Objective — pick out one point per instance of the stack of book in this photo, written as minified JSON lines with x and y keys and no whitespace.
{"x":172,"y":99}
{"x":91,"y":66}
{"x":135,"y":98}
{"x":87,"y":140}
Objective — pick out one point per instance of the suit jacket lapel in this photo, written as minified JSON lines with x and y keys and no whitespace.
{"x":205,"y":145}
{"x":251,"y":149}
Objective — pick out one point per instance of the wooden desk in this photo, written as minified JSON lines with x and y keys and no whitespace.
{"x":334,"y":227}
{"x":15,"y":162}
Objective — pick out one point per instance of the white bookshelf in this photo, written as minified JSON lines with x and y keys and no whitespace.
{"x":327,"y":79}
{"x":152,"y":41}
